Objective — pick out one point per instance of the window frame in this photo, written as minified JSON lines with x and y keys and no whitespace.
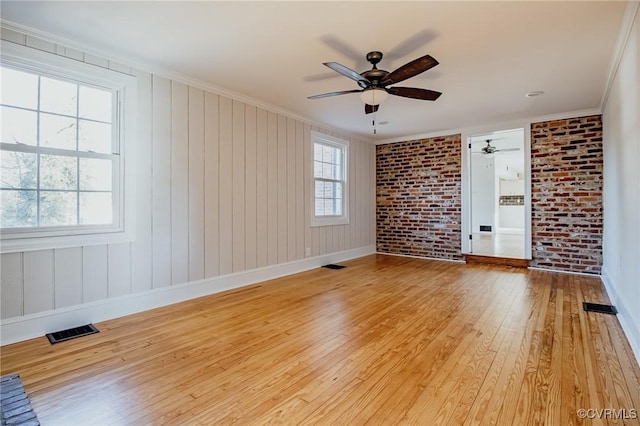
{"x":343,"y":145}
{"x":124,"y":89}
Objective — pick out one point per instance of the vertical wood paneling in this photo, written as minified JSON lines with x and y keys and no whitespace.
{"x":221,"y":187}
{"x":95,"y":273}
{"x":282,"y":190}
{"x":67,"y":279}
{"x":119,"y":270}
{"x":238,"y":186}
{"x":196,"y":184}
{"x":351,"y":183}
{"x":226,"y":186}
{"x":38,"y":281}
{"x":11,"y":285}
{"x":262,"y":189}
{"x":141,"y":248}
{"x":179,"y":183}
{"x":291,"y":189}
{"x":161,"y":180}
{"x":250,"y":188}
{"x":211,"y":186}
{"x":299,"y":190}
{"x":363,"y":196}
{"x":272,"y":215}
{"x":307,"y":170}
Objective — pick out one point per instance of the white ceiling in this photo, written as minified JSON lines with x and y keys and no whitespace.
{"x":490,"y":53}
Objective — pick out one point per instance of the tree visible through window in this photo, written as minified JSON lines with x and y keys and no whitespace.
{"x":329,"y":180}
{"x":57,"y":154}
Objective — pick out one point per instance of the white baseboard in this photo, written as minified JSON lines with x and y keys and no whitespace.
{"x":623,"y":315}
{"x":35,"y":325}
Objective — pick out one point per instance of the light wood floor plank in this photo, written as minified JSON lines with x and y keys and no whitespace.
{"x":386,"y":341}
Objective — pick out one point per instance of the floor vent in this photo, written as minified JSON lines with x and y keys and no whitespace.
{"x":72,"y":333}
{"x":333,"y":266}
{"x":596,"y":307}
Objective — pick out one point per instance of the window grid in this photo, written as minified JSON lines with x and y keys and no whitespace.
{"x":39,"y":150}
{"x":328,"y":180}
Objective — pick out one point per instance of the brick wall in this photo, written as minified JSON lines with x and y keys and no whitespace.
{"x":566,"y":194}
{"x":418,"y":208}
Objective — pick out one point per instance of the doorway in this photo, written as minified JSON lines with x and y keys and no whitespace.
{"x":499,"y":196}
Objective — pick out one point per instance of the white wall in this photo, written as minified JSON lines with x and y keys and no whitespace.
{"x":221,"y":188}
{"x":483,"y":191}
{"x":621,"y":196}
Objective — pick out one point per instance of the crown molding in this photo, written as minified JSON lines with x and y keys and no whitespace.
{"x":171,"y":75}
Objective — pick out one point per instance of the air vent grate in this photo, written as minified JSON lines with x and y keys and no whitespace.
{"x":72,"y":333}
{"x":596,"y":307}
{"x":333,"y":266}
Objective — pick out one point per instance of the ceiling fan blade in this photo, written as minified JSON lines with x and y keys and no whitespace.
{"x":368,"y":109}
{"x":348,"y":72}
{"x":410,"y":69}
{"x":414,"y":93}
{"x":507,"y":149}
{"x":326,"y":95}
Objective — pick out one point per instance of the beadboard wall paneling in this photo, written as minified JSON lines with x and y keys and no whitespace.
{"x":221,"y":187}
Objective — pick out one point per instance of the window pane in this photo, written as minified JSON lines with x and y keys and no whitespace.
{"x":58,"y":96}
{"x":338,"y":189}
{"x":19,"y":88}
{"x":95,"y":104}
{"x":317,"y":152}
{"x":319,"y":189}
{"x":317,"y":169}
{"x":94,"y":137}
{"x":327,"y":154}
{"x":327,"y":171}
{"x":58,"y":172}
{"x":18,"y":126}
{"x":95,"y":174}
{"x":95,"y":208}
{"x":18,"y":170}
{"x":58,"y":208}
{"x":329,"y":207}
{"x":18,"y":208}
{"x":320,"y":207}
{"x":57,"y":131}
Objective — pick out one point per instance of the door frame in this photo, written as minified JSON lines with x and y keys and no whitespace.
{"x":466,"y":181}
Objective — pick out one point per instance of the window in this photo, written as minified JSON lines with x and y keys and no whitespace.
{"x":330,"y":202}
{"x":61,"y":151}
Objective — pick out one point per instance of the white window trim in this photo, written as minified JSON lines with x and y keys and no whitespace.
{"x":126,"y":86}
{"x":330,"y":220}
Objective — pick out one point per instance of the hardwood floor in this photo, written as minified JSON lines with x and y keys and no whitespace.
{"x":385,"y":341}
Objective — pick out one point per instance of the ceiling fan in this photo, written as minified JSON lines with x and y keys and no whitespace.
{"x":374,"y":82}
{"x":490,"y":149}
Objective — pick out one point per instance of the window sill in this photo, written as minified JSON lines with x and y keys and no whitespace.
{"x":329,"y":221}
{"x":67,"y":241}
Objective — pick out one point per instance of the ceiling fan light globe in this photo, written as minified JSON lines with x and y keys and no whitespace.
{"x":373,"y":96}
